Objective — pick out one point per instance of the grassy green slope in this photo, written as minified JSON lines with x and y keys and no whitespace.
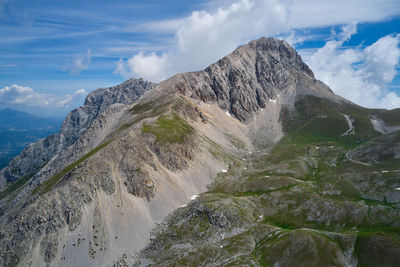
{"x":303,"y":204}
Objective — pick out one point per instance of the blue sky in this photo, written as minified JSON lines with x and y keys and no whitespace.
{"x":53,"y":52}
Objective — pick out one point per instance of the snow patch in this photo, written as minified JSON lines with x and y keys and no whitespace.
{"x":193,"y":197}
{"x":272,"y":101}
{"x":227,"y":113}
{"x":223,"y":170}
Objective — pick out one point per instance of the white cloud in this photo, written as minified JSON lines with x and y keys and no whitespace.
{"x":361,"y":75}
{"x":152,"y":66}
{"x":79,"y":63}
{"x":316,"y":13}
{"x":18,"y":96}
{"x":205,"y":36}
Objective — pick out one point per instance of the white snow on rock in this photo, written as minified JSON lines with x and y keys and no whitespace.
{"x":272,"y":101}
{"x":193,"y":197}
{"x":223,"y":170}
{"x":227,"y":113}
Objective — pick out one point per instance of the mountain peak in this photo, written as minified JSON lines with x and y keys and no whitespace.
{"x":273,"y":47}
{"x":91,"y":194}
{"x":122,"y":93}
{"x":251,"y":78}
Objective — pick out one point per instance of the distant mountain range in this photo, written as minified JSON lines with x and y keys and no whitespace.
{"x":19,"y":129}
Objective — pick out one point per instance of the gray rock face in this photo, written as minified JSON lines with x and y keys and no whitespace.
{"x":250,"y":77}
{"x":37,"y":155}
{"x":30,"y":160}
{"x":120,"y":165}
{"x":383,"y":148}
{"x":98,"y":101}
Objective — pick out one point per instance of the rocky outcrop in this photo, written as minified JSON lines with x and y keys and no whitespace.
{"x":31,"y":160}
{"x":382,"y":148}
{"x":250,"y":78}
{"x":127,"y":159}
{"x":37,"y":155}
{"x":98,"y":101}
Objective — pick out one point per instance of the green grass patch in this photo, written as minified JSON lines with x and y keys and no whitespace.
{"x":316,"y":119}
{"x":262,"y":192}
{"x":154,"y":107}
{"x":169,"y":129}
{"x":390,"y":117}
{"x":47,"y":185}
{"x":15,"y":186}
{"x":393,"y":164}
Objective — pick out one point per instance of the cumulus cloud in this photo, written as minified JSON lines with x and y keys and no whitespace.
{"x":361,"y":75}
{"x":312,"y":13}
{"x":151,"y":66}
{"x":79,"y":62}
{"x":205,"y":36}
{"x":17,"y":96}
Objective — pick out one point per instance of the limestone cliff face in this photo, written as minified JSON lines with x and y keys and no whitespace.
{"x":249,"y":78}
{"x":37,"y":155}
{"x":98,"y":101}
{"x":136,"y":152}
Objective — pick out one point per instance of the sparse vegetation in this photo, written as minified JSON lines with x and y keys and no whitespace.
{"x":15,"y":186}
{"x":169,"y":129}
{"x":48,"y":185}
{"x":306,"y":189}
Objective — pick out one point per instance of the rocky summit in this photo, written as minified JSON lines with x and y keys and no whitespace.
{"x":250,"y":162}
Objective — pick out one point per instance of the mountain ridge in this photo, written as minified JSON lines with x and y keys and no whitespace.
{"x":256,"y":127}
{"x":18,"y":129}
